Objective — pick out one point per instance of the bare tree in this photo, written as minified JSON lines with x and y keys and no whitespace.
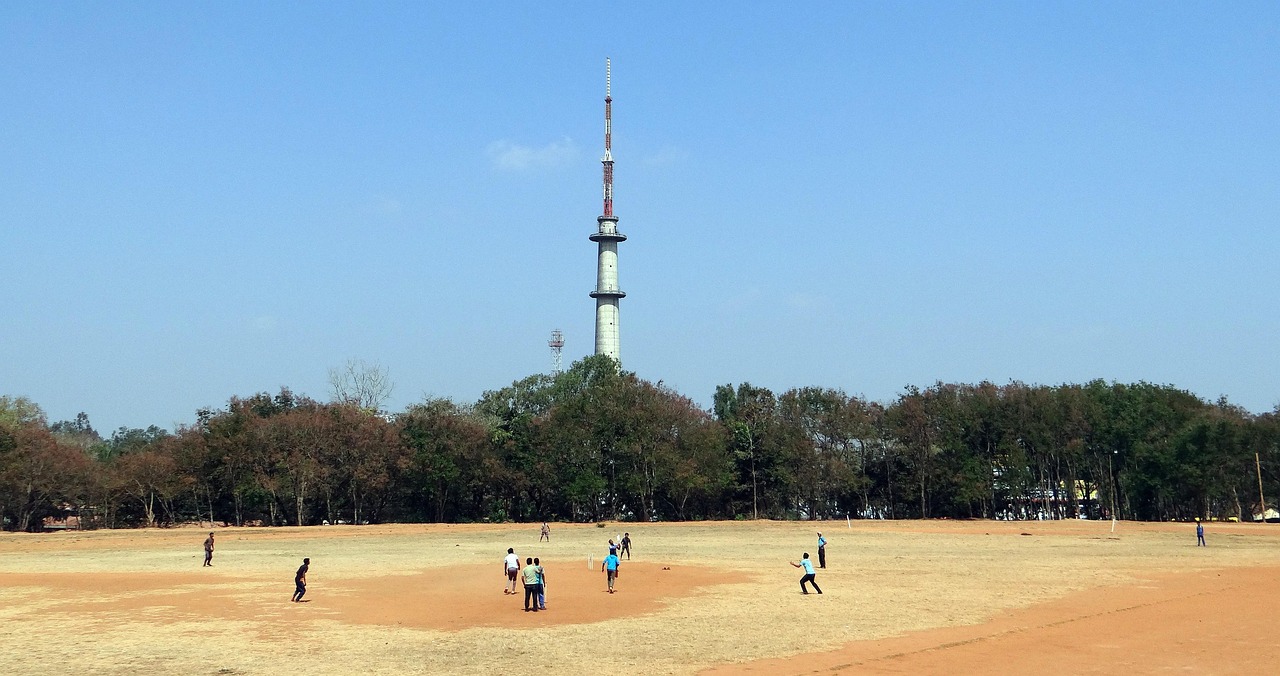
{"x":361,"y":384}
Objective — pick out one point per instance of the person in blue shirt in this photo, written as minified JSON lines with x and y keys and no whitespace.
{"x":542,"y":584}
{"x":1200,"y":534}
{"x":809,"y":575}
{"x":610,"y":566}
{"x":822,"y":551}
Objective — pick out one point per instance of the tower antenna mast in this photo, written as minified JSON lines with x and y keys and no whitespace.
{"x":607,"y":160}
{"x":607,"y":293}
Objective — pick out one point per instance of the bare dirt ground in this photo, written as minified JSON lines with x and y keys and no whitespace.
{"x":900,"y":597}
{"x":1213,"y":622}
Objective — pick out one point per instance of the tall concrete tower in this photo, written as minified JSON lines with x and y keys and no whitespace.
{"x":607,"y":293}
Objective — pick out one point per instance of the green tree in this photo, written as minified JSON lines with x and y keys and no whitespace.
{"x":828,"y":433}
{"x":448,"y":455}
{"x":20,"y":411}
{"x":750,"y":416}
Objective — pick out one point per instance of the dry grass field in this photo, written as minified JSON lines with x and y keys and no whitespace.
{"x":900,"y":597}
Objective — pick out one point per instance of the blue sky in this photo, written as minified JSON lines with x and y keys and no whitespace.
{"x":201,"y":200}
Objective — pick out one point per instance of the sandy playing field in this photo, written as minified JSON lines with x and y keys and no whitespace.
{"x":900,"y":597}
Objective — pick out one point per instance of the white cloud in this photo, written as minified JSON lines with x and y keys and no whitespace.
{"x":511,"y":156}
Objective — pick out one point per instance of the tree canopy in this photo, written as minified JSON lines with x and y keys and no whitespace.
{"x":596,"y":442}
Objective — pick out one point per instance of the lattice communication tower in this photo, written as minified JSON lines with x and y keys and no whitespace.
{"x":557,"y":344}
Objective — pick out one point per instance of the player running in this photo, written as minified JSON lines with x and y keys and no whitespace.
{"x":511,"y":567}
{"x":300,"y":581}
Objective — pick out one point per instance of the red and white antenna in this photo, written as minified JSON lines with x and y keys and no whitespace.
{"x":607,"y":160}
{"x":607,"y":293}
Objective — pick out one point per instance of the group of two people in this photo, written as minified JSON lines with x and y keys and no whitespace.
{"x":810,"y":575}
{"x":532,"y":576}
{"x":609,"y":566}
{"x":623,"y":546}
{"x":299,"y":578}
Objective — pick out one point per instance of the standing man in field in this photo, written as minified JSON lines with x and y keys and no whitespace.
{"x":511,"y":567}
{"x":300,"y":581}
{"x":809,"y":575}
{"x":546,"y":533}
{"x":531,"y":591}
{"x":542,"y":584}
{"x":1200,"y":534}
{"x":208,"y":550}
{"x":822,"y":551}
{"x":610,"y":567}
{"x":626,"y":546}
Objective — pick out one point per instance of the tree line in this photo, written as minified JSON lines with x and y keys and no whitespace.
{"x":596,"y":443}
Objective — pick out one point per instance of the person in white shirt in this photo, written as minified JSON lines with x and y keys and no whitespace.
{"x":511,"y":566}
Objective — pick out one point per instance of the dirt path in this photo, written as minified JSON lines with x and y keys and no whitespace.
{"x":440,"y":599}
{"x":1212,"y":622}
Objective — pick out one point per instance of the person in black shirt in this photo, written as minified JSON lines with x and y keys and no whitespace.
{"x":626,"y":546}
{"x":300,"y":581}
{"x":208,"y":550}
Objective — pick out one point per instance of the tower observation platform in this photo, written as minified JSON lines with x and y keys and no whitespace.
{"x":607,"y":294}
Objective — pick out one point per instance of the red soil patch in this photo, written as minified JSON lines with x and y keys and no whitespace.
{"x":441,"y":599}
{"x":463,"y":598}
{"x":1217,"y":622}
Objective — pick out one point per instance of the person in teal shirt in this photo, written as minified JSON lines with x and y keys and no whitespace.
{"x":809,"y":575}
{"x":610,"y":566}
{"x":542,"y":584}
